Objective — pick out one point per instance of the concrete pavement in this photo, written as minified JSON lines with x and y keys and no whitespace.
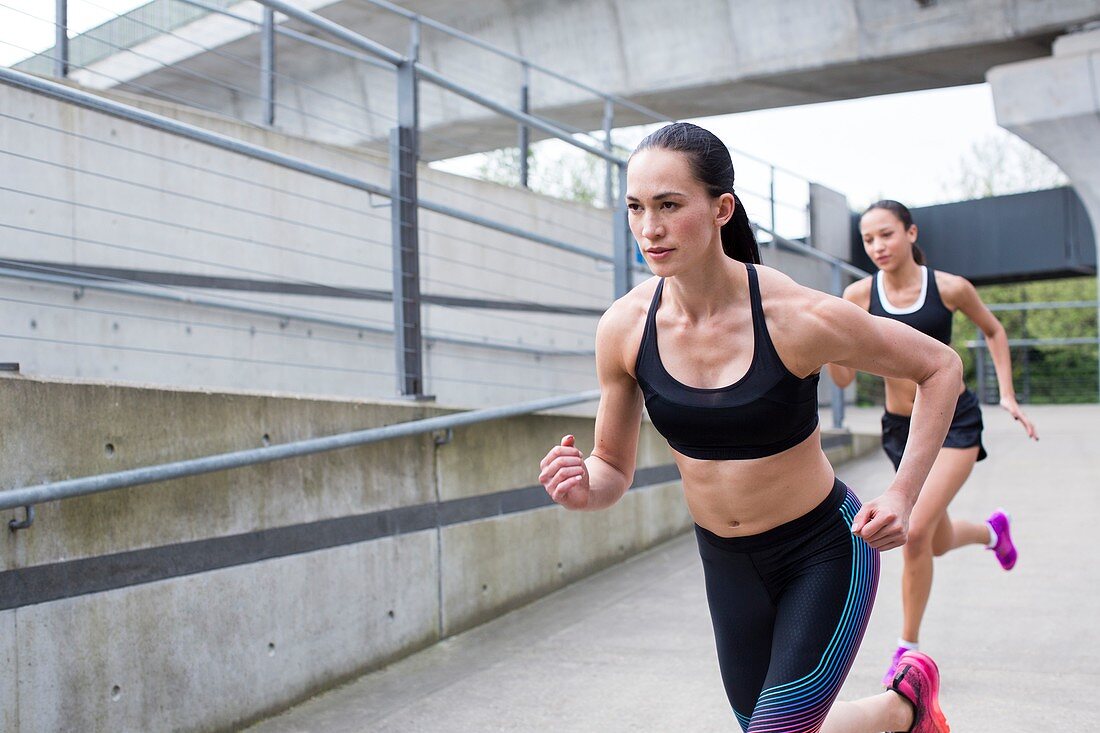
{"x":630,"y":649}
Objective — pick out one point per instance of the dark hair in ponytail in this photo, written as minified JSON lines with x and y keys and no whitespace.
{"x":901,"y":211}
{"x":711,"y":164}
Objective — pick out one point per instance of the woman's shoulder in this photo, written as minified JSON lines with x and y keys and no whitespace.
{"x":953,"y":288}
{"x":859,"y":292}
{"x":777,"y":285}
{"x":623,"y":316}
{"x":785,"y":300}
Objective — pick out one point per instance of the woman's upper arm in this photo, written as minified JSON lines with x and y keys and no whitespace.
{"x":618,"y":419}
{"x":964,"y":296}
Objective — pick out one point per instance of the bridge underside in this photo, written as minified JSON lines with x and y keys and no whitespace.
{"x":719,"y":57}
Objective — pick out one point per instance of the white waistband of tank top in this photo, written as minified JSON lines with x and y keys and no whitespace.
{"x":890,"y":308}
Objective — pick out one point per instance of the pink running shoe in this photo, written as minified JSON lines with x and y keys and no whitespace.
{"x":1004,"y":549}
{"x":918,"y":681}
{"x":893,"y":668}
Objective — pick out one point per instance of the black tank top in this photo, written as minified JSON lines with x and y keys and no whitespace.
{"x":928,"y":315}
{"x":765,"y":412}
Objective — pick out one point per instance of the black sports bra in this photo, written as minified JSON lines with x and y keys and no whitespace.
{"x":763,"y":413}
{"x":928,"y":315}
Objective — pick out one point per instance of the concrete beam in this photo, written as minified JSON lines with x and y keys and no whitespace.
{"x":720,"y":56}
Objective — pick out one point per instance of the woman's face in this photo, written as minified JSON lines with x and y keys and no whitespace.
{"x":886,"y":240}
{"x":672,"y":216}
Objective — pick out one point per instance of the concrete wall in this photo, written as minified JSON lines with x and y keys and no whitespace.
{"x":199,"y":604}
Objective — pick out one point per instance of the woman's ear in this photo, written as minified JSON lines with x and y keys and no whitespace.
{"x":726,"y":206}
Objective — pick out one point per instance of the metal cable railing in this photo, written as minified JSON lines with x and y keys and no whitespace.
{"x":482,"y":275}
{"x":1054,"y":357}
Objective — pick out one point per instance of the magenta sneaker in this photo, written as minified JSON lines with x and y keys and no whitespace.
{"x":1004,"y":549}
{"x":918,"y":681}
{"x":893,"y":668}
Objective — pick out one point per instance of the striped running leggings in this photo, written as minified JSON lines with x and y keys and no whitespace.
{"x":789,"y":608}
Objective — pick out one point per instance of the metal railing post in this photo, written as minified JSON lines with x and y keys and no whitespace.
{"x":771,"y":199}
{"x":524,"y":130}
{"x":61,"y":39}
{"x":979,"y":366}
{"x":408,"y":343}
{"x":609,"y":177}
{"x":267,"y":66}
{"x":838,"y":391}
{"x":622,"y":241}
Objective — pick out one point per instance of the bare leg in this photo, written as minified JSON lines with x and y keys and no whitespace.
{"x":949,"y":472}
{"x":951,"y":534}
{"x":886,"y":711}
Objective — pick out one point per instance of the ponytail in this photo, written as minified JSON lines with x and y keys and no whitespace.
{"x":738,"y":239}
{"x":918,"y":254}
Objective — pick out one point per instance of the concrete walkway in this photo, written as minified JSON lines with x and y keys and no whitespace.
{"x":630,"y":649}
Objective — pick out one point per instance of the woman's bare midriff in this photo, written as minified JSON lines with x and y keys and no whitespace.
{"x":901,"y":394}
{"x":747,"y":497}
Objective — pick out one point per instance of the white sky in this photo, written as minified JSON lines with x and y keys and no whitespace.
{"x":903,"y":146}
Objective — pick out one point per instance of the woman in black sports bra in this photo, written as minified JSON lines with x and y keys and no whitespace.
{"x":725,"y":355}
{"x":907,"y":290}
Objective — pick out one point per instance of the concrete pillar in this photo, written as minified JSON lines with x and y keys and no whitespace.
{"x":831,"y":233}
{"x":1054,"y":104}
{"x":830,"y":222}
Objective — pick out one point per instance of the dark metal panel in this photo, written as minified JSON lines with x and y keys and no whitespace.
{"x":1028,"y":236}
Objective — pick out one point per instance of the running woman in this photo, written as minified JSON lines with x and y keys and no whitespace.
{"x":725,"y":354}
{"x":905,"y":289}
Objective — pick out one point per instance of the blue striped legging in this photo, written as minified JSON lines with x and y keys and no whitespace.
{"x":789,"y":608}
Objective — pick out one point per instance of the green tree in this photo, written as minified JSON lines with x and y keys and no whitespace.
{"x":1001,"y":164}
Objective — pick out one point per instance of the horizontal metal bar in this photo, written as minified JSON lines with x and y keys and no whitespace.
{"x":442,"y":27}
{"x":297,"y":36}
{"x":1042,"y":306}
{"x":335,"y":29}
{"x":431,"y":75}
{"x":531,"y":121}
{"x":1078,"y":341}
{"x":31,"y":495}
{"x":509,"y":229}
{"x":809,"y":251}
{"x":123,"y":289}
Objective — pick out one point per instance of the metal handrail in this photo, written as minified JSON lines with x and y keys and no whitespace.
{"x":291,"y":33}
{"x":1043,"y":306}
{"x":436,"y":25}
{"x":1066,"y":341}
{"x":335,"y":29}
{"x":809,"y":251}
{"x":30,"y":495}
{"x":423,"y":72}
